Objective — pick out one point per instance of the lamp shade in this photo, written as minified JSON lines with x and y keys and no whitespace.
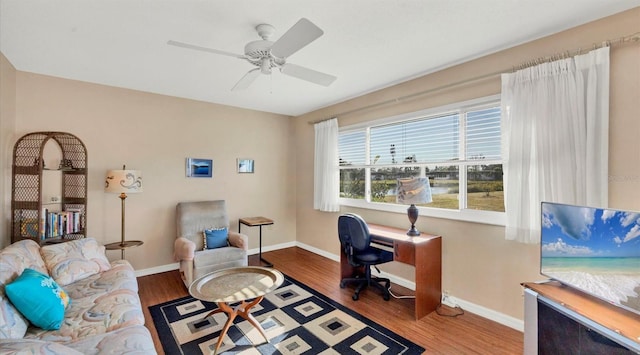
{"x":413,"y":191}
{"x":123,"y":181}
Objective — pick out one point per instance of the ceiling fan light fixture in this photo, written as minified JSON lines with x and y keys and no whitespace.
{"x":265,"y":31}
{"x":265,"y":66}
{"x":265,"y":54}
{"x":258,"y":49}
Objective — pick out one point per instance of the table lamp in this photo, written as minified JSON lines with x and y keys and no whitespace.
{"x":412,"y":191}
{"x":123,"y":182}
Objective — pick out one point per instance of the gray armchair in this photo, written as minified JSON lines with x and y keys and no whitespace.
{"x":192,"y":218}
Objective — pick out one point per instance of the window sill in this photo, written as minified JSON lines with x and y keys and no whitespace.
{"x":475,"y":216}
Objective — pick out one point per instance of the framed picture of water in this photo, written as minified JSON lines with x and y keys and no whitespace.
{"x":595,"y":250}
{"x":199,"y":167}
{"x":245,"y":165}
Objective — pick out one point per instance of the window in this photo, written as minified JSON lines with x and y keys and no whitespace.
{"x":456,"y":148}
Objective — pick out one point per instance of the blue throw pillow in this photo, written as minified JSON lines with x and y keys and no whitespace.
{"x":38,"y":298}
{"x":216,"y":238}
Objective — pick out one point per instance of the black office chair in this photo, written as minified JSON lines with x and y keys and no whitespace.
{"x":355,"y":241}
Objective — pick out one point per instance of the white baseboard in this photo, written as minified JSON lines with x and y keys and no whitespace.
{"x":265,"y":249}
{"x":320,"y":252}
{"x":495,"y":316}
{"x":176,"y":266}
{"x":157,"y":269}
{"x":490,"y":314}
{"x":393,"y":278}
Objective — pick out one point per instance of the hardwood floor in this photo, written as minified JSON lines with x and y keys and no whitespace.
{"x":465,"y":334}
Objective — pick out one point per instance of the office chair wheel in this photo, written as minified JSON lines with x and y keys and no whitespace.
{"x":342,"y":284}
{"x":355,"y":297}
{"x":386,"y":297}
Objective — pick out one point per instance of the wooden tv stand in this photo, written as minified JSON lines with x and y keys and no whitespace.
{"x":561,"y":318}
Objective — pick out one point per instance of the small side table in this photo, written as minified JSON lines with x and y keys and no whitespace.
{"x":259,"y":222}
{"x":123,"y":245}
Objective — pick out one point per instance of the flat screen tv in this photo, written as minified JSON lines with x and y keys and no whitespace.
{"x":595,"y":250}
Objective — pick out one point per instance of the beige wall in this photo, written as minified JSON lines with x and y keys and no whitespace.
{"x":7,"y":124}
{"x":155,"y":134}
{"x":479,"y":265}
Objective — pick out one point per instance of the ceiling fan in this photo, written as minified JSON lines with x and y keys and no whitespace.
{"x":265,"y":54}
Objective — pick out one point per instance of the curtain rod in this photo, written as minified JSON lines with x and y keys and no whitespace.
{"x":568,"y":54}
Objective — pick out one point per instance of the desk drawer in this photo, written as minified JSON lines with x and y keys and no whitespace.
{"x":404,"y":252}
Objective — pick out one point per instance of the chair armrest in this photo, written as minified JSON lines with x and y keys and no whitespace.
{"x":239,"y":240}
{"x":183,"y":249}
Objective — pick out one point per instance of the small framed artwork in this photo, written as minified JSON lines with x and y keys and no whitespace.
{"x":199,"y":167}
{"x":245,"y":165}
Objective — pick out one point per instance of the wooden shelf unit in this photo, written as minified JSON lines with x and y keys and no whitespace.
{"x":26,"y":192}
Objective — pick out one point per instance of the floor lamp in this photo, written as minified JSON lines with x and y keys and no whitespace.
{"x":123,"y":182}
{"x":413,"y":191}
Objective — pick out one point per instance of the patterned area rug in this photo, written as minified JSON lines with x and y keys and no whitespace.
{"x":296,"y":319}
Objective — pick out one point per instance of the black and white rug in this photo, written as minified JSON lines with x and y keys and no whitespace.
{"x":296,"y":319}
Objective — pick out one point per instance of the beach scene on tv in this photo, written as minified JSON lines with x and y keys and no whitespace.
{"x":592,"y":249}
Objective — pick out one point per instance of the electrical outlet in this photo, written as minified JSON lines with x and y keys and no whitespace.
{"x":445,"y":296}
{"x":447,"y":300}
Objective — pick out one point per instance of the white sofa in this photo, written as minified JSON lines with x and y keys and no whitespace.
{"x":104,"y":315}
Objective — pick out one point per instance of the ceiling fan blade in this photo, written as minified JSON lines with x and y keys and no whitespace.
{"x":307,"y":74}
{"x":298,"y":36}
{"x":246,"y":80}
{"x":204,"y":49}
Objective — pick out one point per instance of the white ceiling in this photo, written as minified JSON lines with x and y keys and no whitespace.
{"x":367,"y":44}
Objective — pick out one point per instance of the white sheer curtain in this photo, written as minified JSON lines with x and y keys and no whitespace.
{"x":555,"y":127}
{"x":326,"y":183}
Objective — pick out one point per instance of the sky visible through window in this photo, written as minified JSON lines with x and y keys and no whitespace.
{"x":351,"y":147}
{"x":483,"y":134}
{"x":431,"y":140}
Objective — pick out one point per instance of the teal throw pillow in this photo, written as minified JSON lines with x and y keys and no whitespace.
{"x":216,"y":238}
{"x":39,"y":298}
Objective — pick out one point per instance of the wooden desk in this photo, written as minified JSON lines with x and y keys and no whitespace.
{"x":423,"y":251}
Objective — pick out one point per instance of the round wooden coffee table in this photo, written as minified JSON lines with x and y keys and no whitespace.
{"x":247,"y":285}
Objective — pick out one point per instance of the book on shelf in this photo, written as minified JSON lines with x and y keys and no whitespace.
{"x":59,"y":224}
{"x":43,"y":223}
